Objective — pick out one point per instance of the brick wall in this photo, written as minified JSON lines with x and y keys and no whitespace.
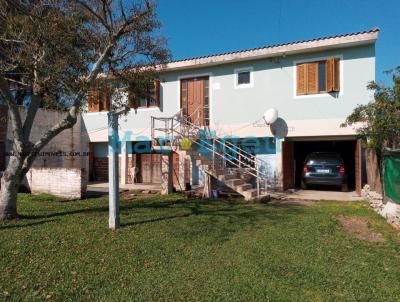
{"x":63,"y":182}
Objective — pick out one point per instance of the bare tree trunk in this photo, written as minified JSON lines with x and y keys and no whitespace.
{"x":10,"y":182}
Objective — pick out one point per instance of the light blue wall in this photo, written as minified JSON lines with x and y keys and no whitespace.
{"x":273,"y":87}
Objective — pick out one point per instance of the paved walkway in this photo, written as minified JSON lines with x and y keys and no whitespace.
{"x":313,"y":195}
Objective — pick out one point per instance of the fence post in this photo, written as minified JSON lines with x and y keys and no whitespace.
{"x":258,"y":178}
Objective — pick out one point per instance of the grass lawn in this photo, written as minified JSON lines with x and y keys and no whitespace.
{"x":174,"y":249}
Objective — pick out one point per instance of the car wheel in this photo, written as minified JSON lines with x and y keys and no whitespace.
{"x":303,"y":185}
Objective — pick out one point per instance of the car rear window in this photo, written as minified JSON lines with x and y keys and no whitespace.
{"x":323,"y":158}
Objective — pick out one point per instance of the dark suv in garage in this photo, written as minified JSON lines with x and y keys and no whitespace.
{"x":324,"y":168}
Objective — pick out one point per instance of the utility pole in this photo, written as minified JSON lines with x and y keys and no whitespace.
{"x":113,"y":179}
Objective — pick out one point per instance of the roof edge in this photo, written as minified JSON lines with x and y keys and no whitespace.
{"x":305,"y":46}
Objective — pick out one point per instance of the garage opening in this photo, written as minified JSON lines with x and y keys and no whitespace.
{"x":346,"y":149}
{"x":294,"y":154}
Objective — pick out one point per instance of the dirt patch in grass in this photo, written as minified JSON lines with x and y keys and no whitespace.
{"x":358,"y":227}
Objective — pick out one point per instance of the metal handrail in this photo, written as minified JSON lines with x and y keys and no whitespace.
{"x":240,"y":163}
{"x":226,"y":144}
{"x":234,"y":149}
{"x":181,"y":124}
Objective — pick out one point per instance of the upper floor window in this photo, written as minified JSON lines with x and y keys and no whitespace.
{"x":318,"y":77}
{"x":99,"y":99}
{"x":244,"y":77}
{"x":151,"y":99}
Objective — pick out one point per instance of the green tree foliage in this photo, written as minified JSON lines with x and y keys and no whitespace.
{"x":378,"y":122}
{"x":53,"y":51}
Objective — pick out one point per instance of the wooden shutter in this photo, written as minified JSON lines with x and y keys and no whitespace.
{"x":312,"y":78}
{"x":336,"y":74}
{"x":93,"y":100}
{"x":333,"y":75}
{"x":105,"y":98}
{"x":184,"y":95}
{"x":329,"y":75}
{"x":157,"y":92}
{"x":301,"y":79}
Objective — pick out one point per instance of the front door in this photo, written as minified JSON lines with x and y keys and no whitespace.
{"x":195,"y":98}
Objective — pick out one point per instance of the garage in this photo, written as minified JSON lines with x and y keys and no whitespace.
{"x":295,"y":150}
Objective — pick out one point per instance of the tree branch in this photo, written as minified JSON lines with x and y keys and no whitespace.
{"x":68,"y":122}
{"x":30,"y":116}
{"x":96,"y":15}
{"x":14,"y":114}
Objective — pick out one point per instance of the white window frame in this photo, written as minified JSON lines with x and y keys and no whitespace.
{"x":236,"y":77}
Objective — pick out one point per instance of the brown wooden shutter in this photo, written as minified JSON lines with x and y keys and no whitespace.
{"x":184,"y":95}
{"x":301,"y":79}
{"x":93,"y":100}
{"x":333,"y":75}
{"x":312,"y":78}
{"x":105,"y":98}
{"x":329,"y":75}
{"x":157,"y":92}
{"x":336,"y":74}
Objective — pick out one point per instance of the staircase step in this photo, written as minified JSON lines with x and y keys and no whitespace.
{"x":234,"y":182}
{"x":250,"y":194}
{"x":243,"y":188}
{"x":192,"y":153}
{"x":226,"y":177}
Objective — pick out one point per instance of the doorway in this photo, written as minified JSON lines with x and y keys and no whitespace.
{"x":195,"y":100}
{"x":295,"y":152}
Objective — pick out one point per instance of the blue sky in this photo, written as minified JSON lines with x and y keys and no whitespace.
{"x":195,"y":28}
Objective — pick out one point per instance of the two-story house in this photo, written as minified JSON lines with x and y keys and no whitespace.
{"x":314,"y":85}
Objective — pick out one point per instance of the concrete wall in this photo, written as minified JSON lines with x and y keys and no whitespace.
{"x":62,"y":165}
{"x":234,"y":111}
{"x":65,"y":150}
{"x":63,"y":182}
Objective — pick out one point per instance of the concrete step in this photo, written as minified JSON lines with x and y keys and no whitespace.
{"x":243,"y":188}
{"x":232,"y":183}
{"x":226,"y":177}
{"x":250,"y":194}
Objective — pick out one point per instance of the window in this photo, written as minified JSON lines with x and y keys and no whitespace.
{"x":99,"y":99}
{"x":152,"y":98}
{"x":318,"y":77}
{"x":322,"y":76}
{"x":244,"y":77}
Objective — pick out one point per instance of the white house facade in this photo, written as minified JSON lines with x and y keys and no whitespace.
{"x":314,"y":85}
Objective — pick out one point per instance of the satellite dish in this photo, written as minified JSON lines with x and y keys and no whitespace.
{"x":270,"y":116}
{"x":279,"y":129}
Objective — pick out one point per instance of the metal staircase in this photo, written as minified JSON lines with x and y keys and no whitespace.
{"x":218,"y":157}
